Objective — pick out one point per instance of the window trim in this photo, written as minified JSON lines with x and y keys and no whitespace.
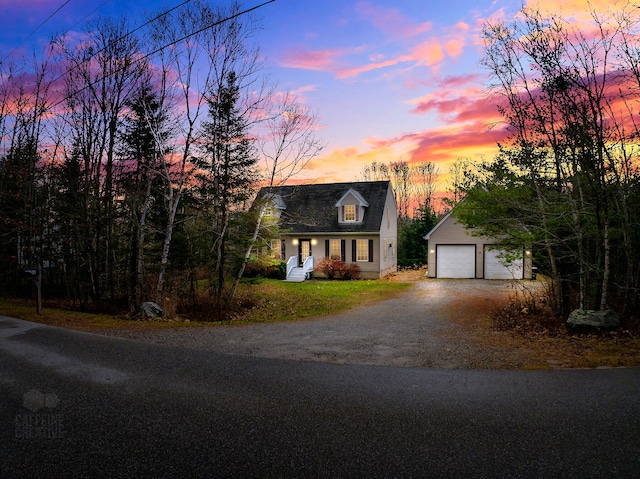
{"x":362,"y":246}
{"x":347,"y":213}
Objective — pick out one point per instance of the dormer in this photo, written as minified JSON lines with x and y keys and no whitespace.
{"x":274,"y":206}
{"x":351,"y":207}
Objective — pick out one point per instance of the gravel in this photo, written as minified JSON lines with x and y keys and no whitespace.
{"x":412,"y":330}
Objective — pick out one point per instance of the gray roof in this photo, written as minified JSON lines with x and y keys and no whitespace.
{"x":312,"y":208}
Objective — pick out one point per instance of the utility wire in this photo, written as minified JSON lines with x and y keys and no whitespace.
{"x":85,"y":17}
{"x":236,"y":15}
{"x":34,"y":31}
{"x":119,"y":38}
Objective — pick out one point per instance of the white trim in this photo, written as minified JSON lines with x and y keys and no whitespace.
{"x":445,"y":218}
{"x":358,"y":196}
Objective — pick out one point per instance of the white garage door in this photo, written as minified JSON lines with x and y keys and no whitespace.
{"x":455,"y":261}
{"x":495,"y":267}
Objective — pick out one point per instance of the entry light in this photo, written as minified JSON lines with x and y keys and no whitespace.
{"x":294,"y":242}
{"x":314,"y":241}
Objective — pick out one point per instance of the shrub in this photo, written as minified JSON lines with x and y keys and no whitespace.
{"x":272,"y":269}
{"x":350,"y":271}
{"x":334,"y":268}
{"x":330,"y":267}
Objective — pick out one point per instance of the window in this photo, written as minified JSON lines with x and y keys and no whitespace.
{"x":335,"y":249}
{"x":362,"y":248}
{"x":275,"y":249}
{"x":350,"y":212}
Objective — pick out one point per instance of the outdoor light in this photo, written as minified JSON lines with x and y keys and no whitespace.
{"x":314,"y":241}
{"x":528,"y":253}
{"x":294,"y":242}
{"x":432,"y":251}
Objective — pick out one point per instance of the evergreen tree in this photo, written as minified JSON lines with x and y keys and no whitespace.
{"x":227,"y":177}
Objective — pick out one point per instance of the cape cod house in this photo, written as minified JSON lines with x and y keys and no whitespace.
{"x":455,"y":253}
{"x":356,"y":222}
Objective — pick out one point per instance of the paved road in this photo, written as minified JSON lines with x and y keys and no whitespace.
{"x":82,"y":405}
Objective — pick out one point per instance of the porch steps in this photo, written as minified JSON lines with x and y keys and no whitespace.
{"x":296,"y":275}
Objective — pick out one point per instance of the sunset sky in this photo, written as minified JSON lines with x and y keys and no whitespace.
{"x":390,"y":79}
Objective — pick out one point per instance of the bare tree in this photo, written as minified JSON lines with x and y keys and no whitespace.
{"x":288,"y":143}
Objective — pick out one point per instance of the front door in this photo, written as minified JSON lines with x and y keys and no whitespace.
{"x":304,"y":250}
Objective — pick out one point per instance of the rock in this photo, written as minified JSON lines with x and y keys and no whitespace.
{"x":586,"y":320}
{"x":151,"y":310}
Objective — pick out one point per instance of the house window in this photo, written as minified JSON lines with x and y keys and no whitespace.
{"x":275,"y":249}
{"x":335,"y":249}
{"x":350,"y":212}
{"x":362,"y":250}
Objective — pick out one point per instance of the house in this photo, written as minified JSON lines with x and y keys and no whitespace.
{"x":356,"y":222}
{"x":455,"y":253}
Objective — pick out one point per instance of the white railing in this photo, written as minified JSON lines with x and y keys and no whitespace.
{"x":291,"y":263}
{"x":307,"y":267}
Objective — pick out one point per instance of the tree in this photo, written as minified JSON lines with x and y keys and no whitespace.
{"x":227,"y":173}
{"x":143,"y":141}
{"x":287,"y":145}
{"x":562,"y":179}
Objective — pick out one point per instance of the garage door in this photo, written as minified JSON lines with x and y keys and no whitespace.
{"x":495,"y":267}
{"x":456,"y":261}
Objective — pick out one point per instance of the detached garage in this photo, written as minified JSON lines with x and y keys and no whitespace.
{"x":455,"y":253}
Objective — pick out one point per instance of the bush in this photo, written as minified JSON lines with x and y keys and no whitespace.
{"x":333,"y":268}
{"x":350,"y":271}
{"x":272,"y":269}
{"x":330,"y":267}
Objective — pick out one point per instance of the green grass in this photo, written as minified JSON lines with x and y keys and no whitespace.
{"x":279,"y":301}
{"x":261,"y":301}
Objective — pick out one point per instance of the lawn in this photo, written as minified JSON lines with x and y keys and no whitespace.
{"x":260,"y":301}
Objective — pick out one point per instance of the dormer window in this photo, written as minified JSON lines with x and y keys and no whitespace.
{"x":349,"y":212}
{"x":351,"y":207}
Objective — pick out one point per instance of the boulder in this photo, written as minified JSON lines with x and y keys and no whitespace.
{"x":586,"y":320}
{"x":151,"y":310}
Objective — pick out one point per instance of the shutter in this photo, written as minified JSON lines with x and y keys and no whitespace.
{"x":357,"y":212}
{"x":326,"y":248}
{"x":343,"y":213}
{"x":343,"y":250}
{"x":370,"y":251}
{"x":354,"y":246}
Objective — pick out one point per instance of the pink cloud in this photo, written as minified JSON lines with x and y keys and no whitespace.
{"x":391,"y":21}
{"x":322,"y":60}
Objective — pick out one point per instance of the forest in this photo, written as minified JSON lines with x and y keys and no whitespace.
{"x":131,"y":158}
{"x":567,"y":180}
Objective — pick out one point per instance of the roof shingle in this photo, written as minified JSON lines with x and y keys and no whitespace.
{"x":312,"y":208}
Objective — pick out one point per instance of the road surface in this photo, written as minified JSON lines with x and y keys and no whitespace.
{"x":82,"y":405}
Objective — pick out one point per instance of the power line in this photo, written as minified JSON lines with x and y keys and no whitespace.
{"x":86,"y":16}
{"x":166,"y":12}
{"x":34,"y":31}
{"x":144,"y":57}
